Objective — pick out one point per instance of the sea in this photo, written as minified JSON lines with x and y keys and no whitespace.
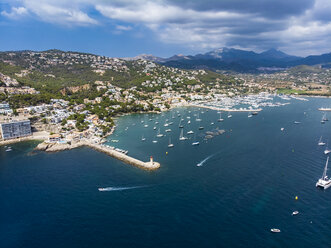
{"x":228,"y":191}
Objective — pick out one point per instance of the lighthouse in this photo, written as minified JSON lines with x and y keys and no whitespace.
{"x":151,"y":161}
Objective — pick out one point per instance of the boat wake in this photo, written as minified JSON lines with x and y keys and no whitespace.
{"x":205,"y":160}
{"x":120,"y":188}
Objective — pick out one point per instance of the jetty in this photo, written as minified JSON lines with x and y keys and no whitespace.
{"x":55,"y":147}
{"x":151,"y":165}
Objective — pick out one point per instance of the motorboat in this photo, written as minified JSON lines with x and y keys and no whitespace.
{"x":195,"y":143}
{"x":295,"y":212}
{"x":275,"y":230}
{"x":168,"y":130}
{"x":190,"y":132}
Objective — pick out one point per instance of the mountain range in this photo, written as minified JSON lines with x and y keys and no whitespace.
{"x":240,"y":60}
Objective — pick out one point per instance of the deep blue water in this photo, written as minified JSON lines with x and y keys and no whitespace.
{"x":246,"y":187}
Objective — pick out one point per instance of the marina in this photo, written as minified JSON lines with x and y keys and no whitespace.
{"x":244,"y":172}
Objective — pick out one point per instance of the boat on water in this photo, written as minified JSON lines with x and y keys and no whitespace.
{"x":170,"y":145}
{"x":154,"y":141}
{"x":154,"y":128}
{"x":9,"y":149}
{"x":220,"y":119}
{"x":324,"y":119}
{"x":327,"y":151}
{"x":297,"y":122}
{"x":114,"y":140}
{"x":180,"y":124}
{"x":320,"y":142}
{"x":324,"y":182}
{"x":143,"y":138}
{"x":166,"y":124}
{"x":146,"y":125}
{"x":198,"y":119}
{"x":295,"y":212}
{"x":275,"y":230}
{"x":181,"y":136}
{"x":282,"y":129}
{"x":168,"y":130}
{"x":188,"y":122}
{"x":159,"y":135}
{"x":249,"y":115}
{"x":212,"y":123}
{"x":200,"y":128}
{"x":255,"y":113}
{"x":156,"y":122}
{"x":229,"y":115}
{"x":190,"y":132}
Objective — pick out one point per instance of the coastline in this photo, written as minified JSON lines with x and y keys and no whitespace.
{"x":40,"y":136}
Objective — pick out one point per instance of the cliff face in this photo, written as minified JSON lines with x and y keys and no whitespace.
{"x":74,"y":89}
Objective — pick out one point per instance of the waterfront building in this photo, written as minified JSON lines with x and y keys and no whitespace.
{"x":15,"y":129}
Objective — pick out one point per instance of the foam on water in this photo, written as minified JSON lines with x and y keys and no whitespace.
{"x":120,"y":188}
{"x":201,"y":163}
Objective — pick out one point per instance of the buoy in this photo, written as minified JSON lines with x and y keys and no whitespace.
{"x":167,"y":153}
{"x":296,"y":198}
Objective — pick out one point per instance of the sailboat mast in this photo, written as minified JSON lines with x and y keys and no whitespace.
{"x":325,"y":169}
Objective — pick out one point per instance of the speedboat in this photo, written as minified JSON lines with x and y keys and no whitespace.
{"x":327,"y":151}
{"x":282,"y":129}
{"x":195,"y":143}
{"x":190,"y":132}
{"x":275,"y":230}
{"x":324,"y":182}
{"x":154,"y":141}
{"x":200,"y":128}
{"x":146,"y":125}
{"x":168,"y":130}
{"x":295,"y":212}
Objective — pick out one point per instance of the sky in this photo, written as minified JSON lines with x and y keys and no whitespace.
{"x":126,"y":28}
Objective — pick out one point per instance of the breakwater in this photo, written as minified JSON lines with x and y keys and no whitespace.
{"x":55,"y":147}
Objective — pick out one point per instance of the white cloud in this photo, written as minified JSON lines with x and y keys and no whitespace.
{"x":15,"y":12}
{"x":201,"y":24}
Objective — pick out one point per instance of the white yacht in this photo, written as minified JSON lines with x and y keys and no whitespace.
{"x":327,"y":151}
{"x":324,"y":182}
{"x":275,"y":230}
{"x":168,"y":130}
{"x":295,"y":213}
{"x":154,"y":128}
{"x":170,"y":145}
{"x":249,"y":115}
{"x":320,"y":142}
{"x":188,"y":122}
{"x":146,"y":125}
{"x":190,"y":132}
{"x":143,"y":138}
{"x":229,"y":115}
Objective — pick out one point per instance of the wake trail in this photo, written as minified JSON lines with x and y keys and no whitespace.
{"x":120,"y":188}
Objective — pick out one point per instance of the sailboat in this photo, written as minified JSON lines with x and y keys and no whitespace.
{"x":198,"y":119}
{"x":249,"y":115}
{"x":143,"y":138}
{"x":323,"y":121}
{"x":320,"y":142}
{"x":170,"y":145}
{"x":180,"y":124}
{"x":159,"y":135}
{"x":220,"y":119}
{"x":229,"y":115}
{"x":324,"y":182}
{"x":181,"y":137}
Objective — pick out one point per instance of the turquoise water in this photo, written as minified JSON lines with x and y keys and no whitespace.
{"x":246,"y":186}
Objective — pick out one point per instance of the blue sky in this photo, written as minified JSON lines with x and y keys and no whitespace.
{"x":126,"y":28}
